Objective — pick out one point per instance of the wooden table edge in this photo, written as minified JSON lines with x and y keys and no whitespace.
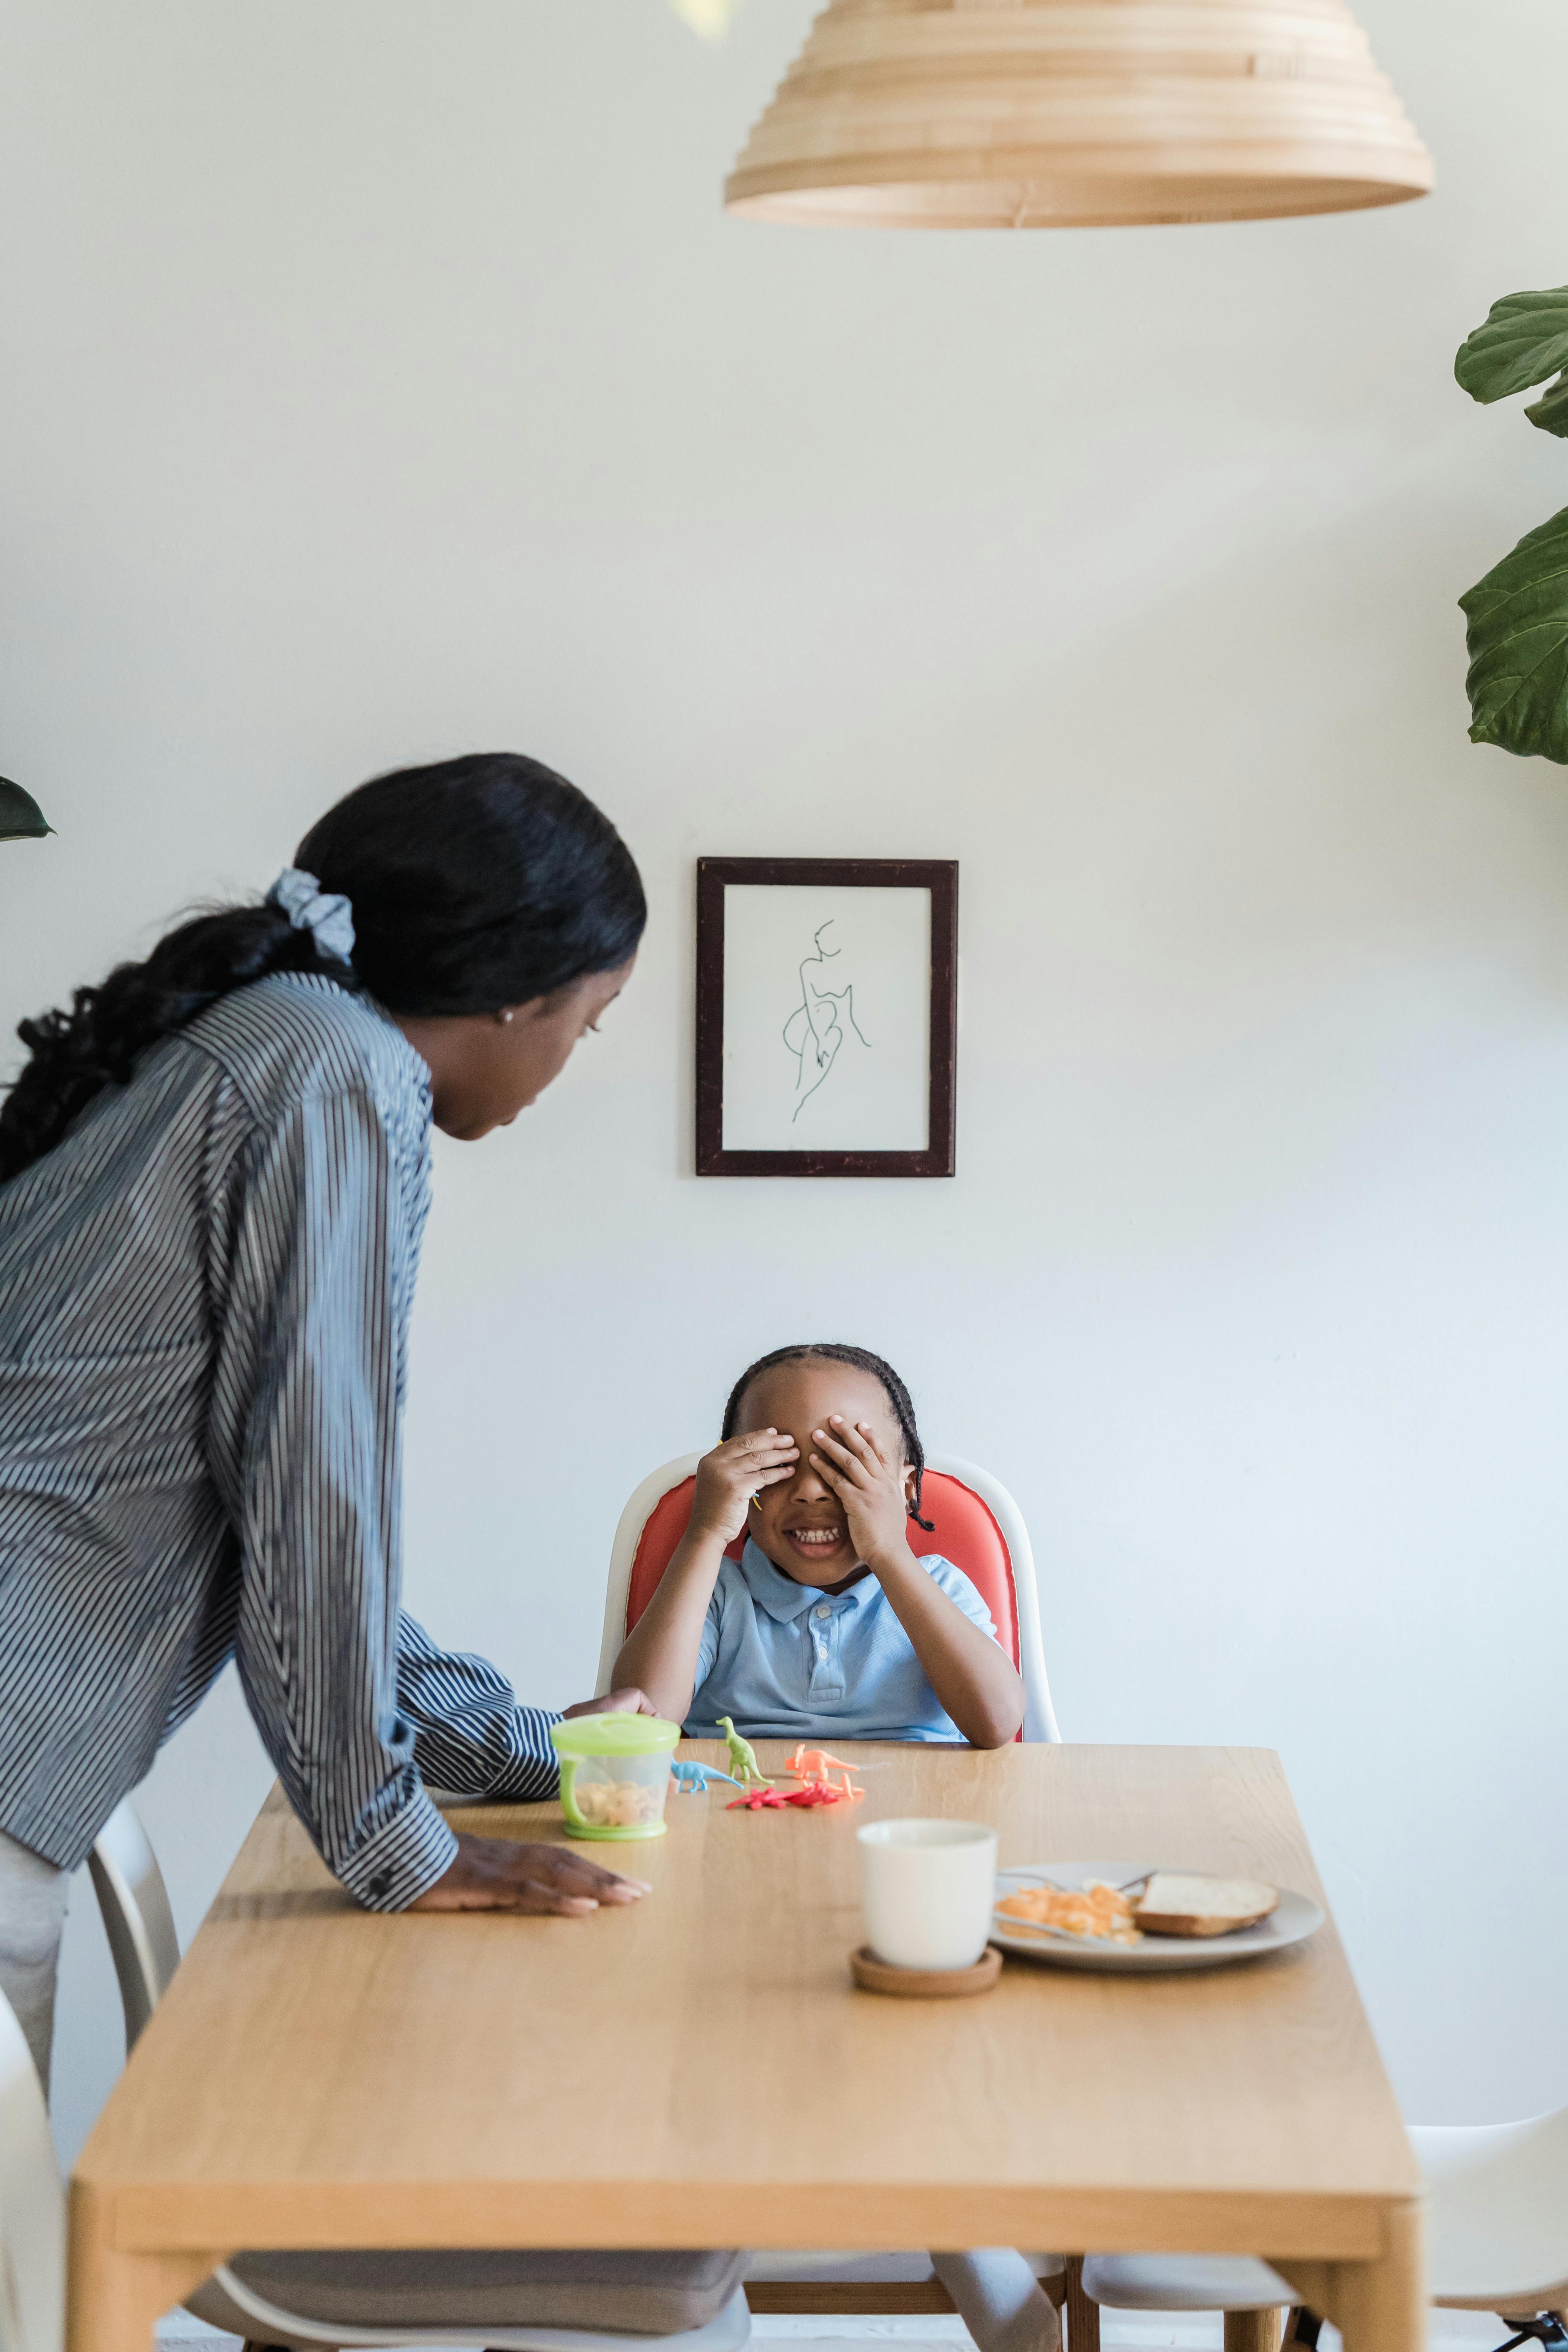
{"x":153,"y":2218}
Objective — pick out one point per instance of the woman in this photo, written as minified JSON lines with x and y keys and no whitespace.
{"x":214,"y":1176}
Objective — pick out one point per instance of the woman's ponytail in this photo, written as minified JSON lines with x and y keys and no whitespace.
{"x":98,"y":1043}
{"x":457,"y":889}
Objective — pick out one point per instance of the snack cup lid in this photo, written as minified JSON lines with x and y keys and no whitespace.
{"x":615,"y":1735}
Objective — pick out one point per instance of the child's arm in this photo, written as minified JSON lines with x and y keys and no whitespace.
{"x":660,"y":1655}
{"x":971,"y":1674}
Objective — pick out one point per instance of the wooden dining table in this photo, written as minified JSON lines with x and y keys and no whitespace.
{"x":699,"y":2070}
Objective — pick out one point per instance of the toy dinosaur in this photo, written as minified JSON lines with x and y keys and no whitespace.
{"x":691,"y":1779}
{"x":749,"y":1773}
{"x":816,"y":1766}
{"x":773,"y":1800}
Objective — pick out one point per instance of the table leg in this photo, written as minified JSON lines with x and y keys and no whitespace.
{"x":116,"y":2299}
{"x":1383,"y":2304}
{"x":1252,"y":2331}
{"x":1378,"y":2305}
{"x":1082,"y":2316}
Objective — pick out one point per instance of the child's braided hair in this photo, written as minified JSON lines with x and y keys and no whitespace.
{"x":835,"y":1352}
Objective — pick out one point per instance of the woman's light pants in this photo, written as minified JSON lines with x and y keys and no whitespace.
{"x":32,"y":1895}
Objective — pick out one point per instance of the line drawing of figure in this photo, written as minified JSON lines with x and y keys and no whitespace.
{"x":813,"y":1032}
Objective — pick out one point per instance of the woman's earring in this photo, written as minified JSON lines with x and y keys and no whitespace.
{"x":507,"y":1013}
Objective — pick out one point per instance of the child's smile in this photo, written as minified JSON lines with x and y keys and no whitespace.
{"x":819,"y":1545}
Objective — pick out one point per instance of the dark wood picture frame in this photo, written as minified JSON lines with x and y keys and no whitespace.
{"x":937,"y":875}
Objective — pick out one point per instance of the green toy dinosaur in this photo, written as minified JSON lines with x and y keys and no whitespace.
{"x":743,"y":1757}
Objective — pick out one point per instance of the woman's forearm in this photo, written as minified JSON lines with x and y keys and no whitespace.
{"x":660,"y":1655}
{"x":973,"y":1677}
{"x":472,"y":1734}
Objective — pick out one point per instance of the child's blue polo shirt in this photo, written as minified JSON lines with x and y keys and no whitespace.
{"x":787,"y":1661}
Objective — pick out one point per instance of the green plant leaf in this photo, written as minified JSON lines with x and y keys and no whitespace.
{"x":1523,"y":340}
{"x":21,"y":818}
{"x":1517,"y":635}
{"x":1551,"y":410}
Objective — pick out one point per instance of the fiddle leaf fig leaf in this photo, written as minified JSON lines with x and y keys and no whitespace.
{"x":1551,"y":410}
{"x":1524,"y":339}
{"x":21,"y":818}
{"x":1517,"y":637}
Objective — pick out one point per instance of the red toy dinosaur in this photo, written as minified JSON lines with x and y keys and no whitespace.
{"x":773,"y":1800}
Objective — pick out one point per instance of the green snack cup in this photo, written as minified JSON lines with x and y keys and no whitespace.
{"x":614,"y":1774}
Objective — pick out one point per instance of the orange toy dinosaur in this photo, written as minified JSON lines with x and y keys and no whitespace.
{"x":816,"y":1766}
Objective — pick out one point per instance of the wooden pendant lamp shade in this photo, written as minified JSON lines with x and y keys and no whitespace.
{"x":1075,"y":113}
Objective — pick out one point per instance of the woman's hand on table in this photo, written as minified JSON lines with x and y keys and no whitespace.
{"x":872,"y":1490}
{"x":498,"y":1874}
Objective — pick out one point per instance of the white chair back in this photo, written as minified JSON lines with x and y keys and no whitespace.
{"x":32,"y":2205}
{"x":136,"y":1919}
{"x":645,"y":1500}
{"x":1039,"y":1716}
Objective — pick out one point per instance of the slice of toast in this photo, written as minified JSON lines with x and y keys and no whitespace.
{"x":1174,"y":1904}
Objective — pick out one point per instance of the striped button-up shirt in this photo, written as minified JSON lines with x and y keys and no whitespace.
{"x":204,"y":1308}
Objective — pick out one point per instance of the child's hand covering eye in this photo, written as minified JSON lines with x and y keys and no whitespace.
{"x":728,"y":1477}
{"x":871,"y":1489}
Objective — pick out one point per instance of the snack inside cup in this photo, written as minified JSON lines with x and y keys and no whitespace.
{"x":616,"y":1804}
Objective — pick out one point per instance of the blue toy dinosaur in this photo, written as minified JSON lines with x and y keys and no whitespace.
{"x":691,"y":1779}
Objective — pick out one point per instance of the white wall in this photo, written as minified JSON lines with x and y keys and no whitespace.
{"x":381,"y":380}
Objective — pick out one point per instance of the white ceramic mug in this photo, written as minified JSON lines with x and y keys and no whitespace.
{"x":927,"y":1888}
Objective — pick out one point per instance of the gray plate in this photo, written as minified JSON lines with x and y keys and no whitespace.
{"x":1295,"y":1919}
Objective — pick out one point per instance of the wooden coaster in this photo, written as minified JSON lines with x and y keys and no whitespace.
{"x":873,"y":1975}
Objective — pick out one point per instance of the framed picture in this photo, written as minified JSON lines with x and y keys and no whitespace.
{"x":827,"y":1016}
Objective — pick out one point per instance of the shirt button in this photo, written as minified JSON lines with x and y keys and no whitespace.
{"x":822,"y":1610}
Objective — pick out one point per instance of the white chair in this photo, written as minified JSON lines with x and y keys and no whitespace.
{"x":1252,"y":2297}
{"x":447,"y":2289}
{"x":991,"y":2288}
{"x":136,"y":1919}
{"x":32,"y":2205}
{"x":1497,"y":2236}
{"x":1017,"y":1563}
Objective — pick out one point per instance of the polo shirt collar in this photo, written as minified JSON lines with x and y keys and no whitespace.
{"x":780,"y":1595}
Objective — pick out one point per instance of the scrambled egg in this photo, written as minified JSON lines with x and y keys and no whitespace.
{"x":1097,"y":1910}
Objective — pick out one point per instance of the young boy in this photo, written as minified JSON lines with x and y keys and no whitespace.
{"x":829,"y":1626}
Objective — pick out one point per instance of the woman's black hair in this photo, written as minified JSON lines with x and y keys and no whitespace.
{"x":837,"y":1352}
{"x":474,"y":884}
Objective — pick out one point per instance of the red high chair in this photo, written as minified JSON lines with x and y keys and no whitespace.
{"x":976,"y":1525}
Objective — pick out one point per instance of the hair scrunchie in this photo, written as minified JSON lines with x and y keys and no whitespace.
{"x":325,"y":914}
